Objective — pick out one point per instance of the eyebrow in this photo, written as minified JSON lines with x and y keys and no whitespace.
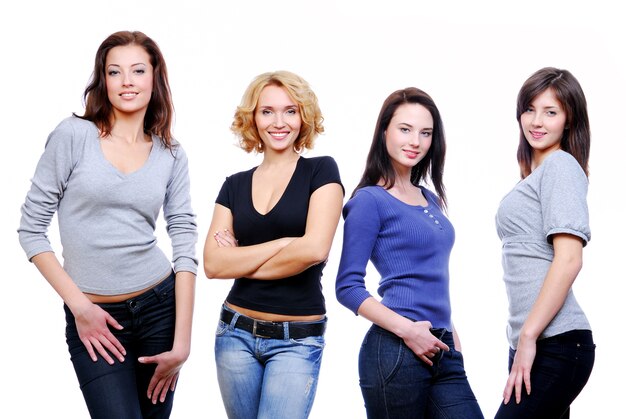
{"x":132,"y":65}
{"x":411,"y":126}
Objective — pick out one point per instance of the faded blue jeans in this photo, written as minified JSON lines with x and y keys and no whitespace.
{"x":266,"y":378}
{"x":396,"y":384}
{"x":562,"y":366}
{"x":120,"y":390}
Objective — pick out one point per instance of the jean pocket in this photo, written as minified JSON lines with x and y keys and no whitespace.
{"x":222,"y":328}
{"x":314,"y":341}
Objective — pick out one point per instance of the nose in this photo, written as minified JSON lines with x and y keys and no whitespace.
{"x":278,"y":120}
{"x":537,"y":120}
{"x":127,"y":79}
{"x":414,"y":140}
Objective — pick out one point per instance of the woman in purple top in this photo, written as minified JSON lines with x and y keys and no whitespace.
{"x":410,"y":365}
{"x":544,"y":225}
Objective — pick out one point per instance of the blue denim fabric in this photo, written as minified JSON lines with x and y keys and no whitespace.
{"x":396,"y":384}
{"x":266,"y":378}
{"x":562,"y":366}
{"x":120,"y":390}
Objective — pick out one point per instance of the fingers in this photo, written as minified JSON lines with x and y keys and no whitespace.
{"x":225,"y":239}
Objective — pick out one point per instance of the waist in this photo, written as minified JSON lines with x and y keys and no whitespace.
{"x":104,"y":299}
{"x":577,"y":336}
{"x":273,"y":329}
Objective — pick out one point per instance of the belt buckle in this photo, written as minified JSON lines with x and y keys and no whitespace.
{"x":254,"y":332}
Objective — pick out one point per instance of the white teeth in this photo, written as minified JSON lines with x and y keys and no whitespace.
{"x":129,"y":94}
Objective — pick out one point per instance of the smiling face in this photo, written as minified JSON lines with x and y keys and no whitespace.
{"x":277,"y":118}
{"x":543,"y":124}
{"x":409,"y":136}
{"x":129,"y":79}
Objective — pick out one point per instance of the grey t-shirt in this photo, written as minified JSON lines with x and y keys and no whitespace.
{"x":107,"y":218}
{"x":551,"y":200}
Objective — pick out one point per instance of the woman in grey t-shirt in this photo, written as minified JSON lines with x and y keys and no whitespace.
{"x":544,"y":224}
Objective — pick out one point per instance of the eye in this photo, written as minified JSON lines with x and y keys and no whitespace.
{"x":427,"y":134}
{"x":291,"y":112}
{"x":140,"y":71}
{"x":113,"y":72}
{"x":528,"y":109}
{"x":266,"y":112}
{"x":404,"y":130}
{"x":551,"y":113}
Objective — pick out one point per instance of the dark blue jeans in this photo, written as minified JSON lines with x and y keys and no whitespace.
{"x":562,"y":366}
{"x":120,"y":390}
{"x":396,"y":384}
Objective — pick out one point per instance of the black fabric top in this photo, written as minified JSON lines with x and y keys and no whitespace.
{"x":297,"y":295}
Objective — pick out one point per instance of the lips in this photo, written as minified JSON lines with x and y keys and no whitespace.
{"x":411,"y":154}
{"x":279,"y":135}
{"x":537,"y":135}
{"x":128,"y":95}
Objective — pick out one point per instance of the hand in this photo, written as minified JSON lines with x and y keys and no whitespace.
{"x":520,"y":371}
{"x":225,"y":238}
{"x":165,"y":375}
{"x":422,"y":342}
{"x":92,"y":324}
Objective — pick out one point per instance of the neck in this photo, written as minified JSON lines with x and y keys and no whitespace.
{"x":273,"y":158}
{"x":128,"y":128}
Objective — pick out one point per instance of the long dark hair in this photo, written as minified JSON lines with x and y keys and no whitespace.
{"x":576,"y":138}
{"x":378,"y":165}
{"x":160,"y":112}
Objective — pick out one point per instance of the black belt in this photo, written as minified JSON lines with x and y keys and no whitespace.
{"x":274,"y":330}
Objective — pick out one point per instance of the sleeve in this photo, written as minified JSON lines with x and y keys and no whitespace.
{"x":326,"y":171}
{"x":47,"y":187}
{"x":224,"y":197}
{"x":563,"y":196}
{"x":179,"y":216}
{"x":360,"y":231}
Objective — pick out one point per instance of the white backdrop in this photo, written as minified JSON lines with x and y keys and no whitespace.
{"x":472,"y":57}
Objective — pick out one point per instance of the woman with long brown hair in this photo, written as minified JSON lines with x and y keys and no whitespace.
{"x":107,"y":174}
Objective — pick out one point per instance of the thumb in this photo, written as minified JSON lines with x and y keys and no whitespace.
{"x":148,"y":359}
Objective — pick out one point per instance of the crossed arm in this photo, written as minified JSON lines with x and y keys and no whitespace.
{"x":278,"y":258}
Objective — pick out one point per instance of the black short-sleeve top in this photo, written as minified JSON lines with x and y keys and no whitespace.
{"x":297,"y":295}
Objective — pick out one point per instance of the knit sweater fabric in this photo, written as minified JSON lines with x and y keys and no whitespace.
{"x":551,"y":200}
{"x":106,"y":218}
{"x":409,"y":245}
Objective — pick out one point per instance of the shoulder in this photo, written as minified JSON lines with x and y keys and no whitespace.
{"x":364,"y":201}
{"x":71,"y":134}
{"x":560,"y":165}
{"x":324,"y":163}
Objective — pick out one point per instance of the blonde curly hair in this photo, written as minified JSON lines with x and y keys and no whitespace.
{"x":298,"y":90}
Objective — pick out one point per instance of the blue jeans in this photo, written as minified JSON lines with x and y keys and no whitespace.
{"x":266,"y":378}
{"x":562,"y":366}
{"x":396,"y":384}
{"x":120,"y":390}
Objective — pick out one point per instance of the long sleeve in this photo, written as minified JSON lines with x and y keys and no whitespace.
{"x":361,"y":228}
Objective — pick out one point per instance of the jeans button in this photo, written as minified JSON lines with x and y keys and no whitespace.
{"x":132,"y":304}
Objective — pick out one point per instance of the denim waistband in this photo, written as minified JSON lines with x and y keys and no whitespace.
{"x":584,"y":337}
{"x":273,"y":330}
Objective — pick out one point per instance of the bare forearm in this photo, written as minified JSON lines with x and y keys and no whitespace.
{"x":298,"y":256}
{"x":50,"y":268}
{"x":558,"y":281}
{"x":185,"y":294}
{"x":234,"y":262}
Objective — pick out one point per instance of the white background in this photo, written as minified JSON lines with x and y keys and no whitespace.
{"x":472,"y":57}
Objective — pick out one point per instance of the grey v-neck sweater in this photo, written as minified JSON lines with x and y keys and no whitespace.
{"x":106,"y":218}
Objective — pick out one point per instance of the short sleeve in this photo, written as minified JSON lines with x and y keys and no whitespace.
{"x":361,"y":229}
{"x":224,"y":196}
{"x":563,"y":196}
{"x":325,"y":171}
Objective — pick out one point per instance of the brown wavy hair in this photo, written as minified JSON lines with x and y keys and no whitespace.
{"x":576,"y":138}
{"x":160,"y":112}
{"x":298,"y":90}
